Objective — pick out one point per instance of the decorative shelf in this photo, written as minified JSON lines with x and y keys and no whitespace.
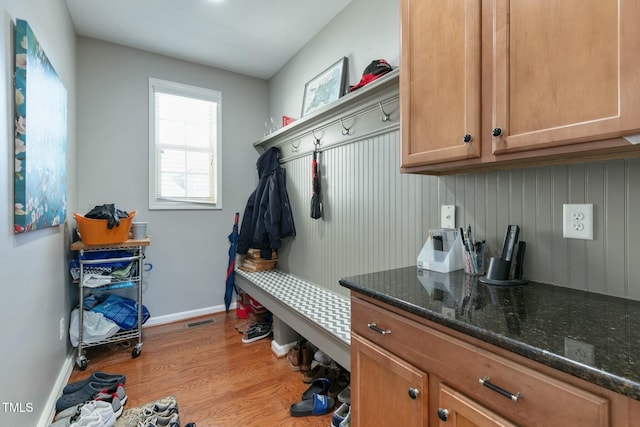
{"x":366,"y":112}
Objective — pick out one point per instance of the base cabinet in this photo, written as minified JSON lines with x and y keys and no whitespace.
{"x":415,"y":373}
{"x":390,"y":391}
{"x":457,"y":410}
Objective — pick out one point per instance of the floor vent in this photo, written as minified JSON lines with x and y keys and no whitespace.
{"x":201,"y":323}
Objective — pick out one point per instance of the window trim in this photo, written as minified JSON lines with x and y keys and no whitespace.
{"x":181,"y":89}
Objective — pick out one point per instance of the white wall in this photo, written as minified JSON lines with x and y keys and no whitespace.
{"x":188,"y":248}
{"x":365,"y":30}
{"x":33,"y":272}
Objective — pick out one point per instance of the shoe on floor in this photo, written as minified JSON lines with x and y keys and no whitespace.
{"x":319,"y":371}
{"x":340,"y":414}
{"x":89,"y":421}
{"x":75,"y":411}
{"x":294,"y":357}
{"x":317,"y":405}
{"x":89,"y":392}
{"x":95,"y":377}
{"x":158,"y":421}
{"x":305,"y":358}
{"x":345,"y":395}
{"x":95,"y":412}
{"x":322,"y":357}
{"x":256,"y":332}
{"x":347,"y":421}
{"x":339,"y":384}
{"x":161,"y":409}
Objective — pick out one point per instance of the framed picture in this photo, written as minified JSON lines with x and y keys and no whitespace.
{"x":40,"y":174}
{"x":325,"y":88}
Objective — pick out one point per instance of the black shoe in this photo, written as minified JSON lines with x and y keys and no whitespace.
{"x":256,"y":332}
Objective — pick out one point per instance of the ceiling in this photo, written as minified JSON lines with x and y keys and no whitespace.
{"x":250,"y":37}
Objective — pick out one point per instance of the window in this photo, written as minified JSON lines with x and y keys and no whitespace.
{"x":184,"y":146}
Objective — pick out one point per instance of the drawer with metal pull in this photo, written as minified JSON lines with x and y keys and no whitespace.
{"x":512,"y":390}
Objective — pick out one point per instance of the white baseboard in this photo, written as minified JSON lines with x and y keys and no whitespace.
{"x":281,"y":350}
{"x":63,"y":377}
{"x":176,"y":317}
{"x":67,"y":367}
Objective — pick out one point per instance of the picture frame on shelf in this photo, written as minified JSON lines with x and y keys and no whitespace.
{"x":325,"y":88}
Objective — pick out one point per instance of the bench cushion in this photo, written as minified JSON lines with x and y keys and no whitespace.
{"x":327,"y":309}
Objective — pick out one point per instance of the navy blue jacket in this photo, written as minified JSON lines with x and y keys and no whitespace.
{"x":267,"y":218}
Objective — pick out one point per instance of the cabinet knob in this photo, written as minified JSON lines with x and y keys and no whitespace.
{"x":413,"y":393}
{"x":496,"y":132}
{"x":467,"y":138}
{"x":443,"y":414}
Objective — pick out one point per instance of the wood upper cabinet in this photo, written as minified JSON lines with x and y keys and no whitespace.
{"x":529,"y":81}
{"x":564,"y":72}
{"x":440,"y":81}
{"x":385,"y":390}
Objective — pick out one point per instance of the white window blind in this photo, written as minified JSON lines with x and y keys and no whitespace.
{"x":184,"y":133}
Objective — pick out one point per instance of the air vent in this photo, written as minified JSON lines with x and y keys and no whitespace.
{"x":200,"y":323}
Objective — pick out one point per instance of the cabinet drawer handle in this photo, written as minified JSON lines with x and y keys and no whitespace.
{"x":485,"y":382}
{"x":496,"y":132}
{"x":413,"y":393}
{"x":378,"y":330}
{"x":467,"y":138}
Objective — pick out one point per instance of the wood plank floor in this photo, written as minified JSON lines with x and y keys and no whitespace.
{"x":217,"y":380}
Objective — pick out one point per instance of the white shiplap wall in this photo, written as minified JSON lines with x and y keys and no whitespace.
{"x":376,"y":218}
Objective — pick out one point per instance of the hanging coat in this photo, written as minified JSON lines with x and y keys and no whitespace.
{"x":267,"y":218}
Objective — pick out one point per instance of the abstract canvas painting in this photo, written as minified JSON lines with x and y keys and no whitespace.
{"x":40,"y":137}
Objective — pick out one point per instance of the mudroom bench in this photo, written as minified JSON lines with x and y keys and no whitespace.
{"x":319,"y":315}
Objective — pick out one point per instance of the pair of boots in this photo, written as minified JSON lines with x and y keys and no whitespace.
{"x":299,"y":357}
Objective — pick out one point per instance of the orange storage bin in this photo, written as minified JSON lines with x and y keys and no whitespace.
{"x":95,"y":231}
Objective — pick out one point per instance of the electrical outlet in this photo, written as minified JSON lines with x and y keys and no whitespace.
{"x":577,"y":221}
{"x":579,"y":351}
{"x":448,"y":216}
{"x":62,"y":328}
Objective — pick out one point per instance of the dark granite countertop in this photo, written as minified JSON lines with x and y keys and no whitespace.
{"x":535,"y":320}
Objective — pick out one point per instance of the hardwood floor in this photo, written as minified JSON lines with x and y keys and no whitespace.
{"x":217,"y":380}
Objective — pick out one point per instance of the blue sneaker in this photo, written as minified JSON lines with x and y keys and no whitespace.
{"x":340,"y":415}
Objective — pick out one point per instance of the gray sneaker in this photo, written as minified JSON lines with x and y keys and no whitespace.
{"x":157,"y":421}
{"x":161,"y":409}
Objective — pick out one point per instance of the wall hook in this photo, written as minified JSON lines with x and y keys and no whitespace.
{"x":345,"y":130}
{"x":295,"y":147}
{"x":317,"y":140}
{"x":385,"y":116}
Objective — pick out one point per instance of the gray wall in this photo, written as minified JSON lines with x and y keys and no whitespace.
{"x":365,"y":30}
{"x":33,"y":269}
{"x":188,"y":248}
{"x":378,"y":219}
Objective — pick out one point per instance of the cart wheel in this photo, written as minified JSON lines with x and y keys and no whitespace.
{"x":81,"y":362}
{"x":136,"y":352}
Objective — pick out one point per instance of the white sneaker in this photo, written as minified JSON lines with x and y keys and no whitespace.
{"x":93,"y":420}
{"x":101,"y":408}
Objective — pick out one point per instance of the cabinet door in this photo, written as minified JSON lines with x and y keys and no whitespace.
{"x":456,"y":410}
{"x":385,"y":390}
{"x":440,"y":81}
{"x":564,"y":72}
